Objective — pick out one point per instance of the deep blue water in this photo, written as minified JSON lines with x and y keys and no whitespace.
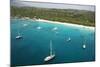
{"x":34,"y":46}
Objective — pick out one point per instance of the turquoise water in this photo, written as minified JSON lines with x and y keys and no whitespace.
{"x":34,"y":46}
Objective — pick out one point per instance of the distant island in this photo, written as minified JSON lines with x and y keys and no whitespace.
{"x":81,"y":17}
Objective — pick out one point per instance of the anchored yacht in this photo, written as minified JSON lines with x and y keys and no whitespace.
{"x":51,"y":56}
{"x":18,"y":36}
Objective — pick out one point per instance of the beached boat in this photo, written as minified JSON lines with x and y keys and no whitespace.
{"x":51,"y":56}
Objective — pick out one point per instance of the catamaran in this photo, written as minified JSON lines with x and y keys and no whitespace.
{"x":51,"y":56}
{"x":18,"y":36}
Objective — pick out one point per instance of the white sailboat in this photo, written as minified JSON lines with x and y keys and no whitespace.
{"x":25,"y":25}
{"x":84,"y":46}
{"x":51,"y":56}
{"x":39,"y":27}
{"x":18,"y":36}
{"x":55,"y":28}
{"x":69,"y":39}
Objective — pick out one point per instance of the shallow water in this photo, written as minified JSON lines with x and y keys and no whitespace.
{"x":34,"y":46}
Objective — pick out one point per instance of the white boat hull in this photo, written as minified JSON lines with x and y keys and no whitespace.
{"x":49,"y":58}
{"x":69,"y":39}
{"x":18,"y":37}
{"x":84,"y":46}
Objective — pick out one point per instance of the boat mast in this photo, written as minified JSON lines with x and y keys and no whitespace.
{"x":18,"y":33}
{"x":50,"y":47}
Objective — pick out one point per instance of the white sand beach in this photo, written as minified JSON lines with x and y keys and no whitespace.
{"x":57,"y":22}
{"x":68,"y":24}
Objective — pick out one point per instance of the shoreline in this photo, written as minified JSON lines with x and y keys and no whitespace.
{"x":67,"y":24}
{"x":57,"y":22}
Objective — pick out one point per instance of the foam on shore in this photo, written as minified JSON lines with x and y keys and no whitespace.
{"x":68,"y":24}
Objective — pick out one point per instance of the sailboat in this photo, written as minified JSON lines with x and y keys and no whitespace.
{"x":18,"y":36}
{"x":84,"y":46}
{"x":55,"y":28}
{"x":25,"y":25}
{"x":69,"y":39}
{"x":39,"y":27}
{"x":51,"y":56}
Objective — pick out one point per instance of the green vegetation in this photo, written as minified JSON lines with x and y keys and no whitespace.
{"x":63,"y":15}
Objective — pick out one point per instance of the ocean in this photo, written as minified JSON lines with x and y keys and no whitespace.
{"x":34,"y":45}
